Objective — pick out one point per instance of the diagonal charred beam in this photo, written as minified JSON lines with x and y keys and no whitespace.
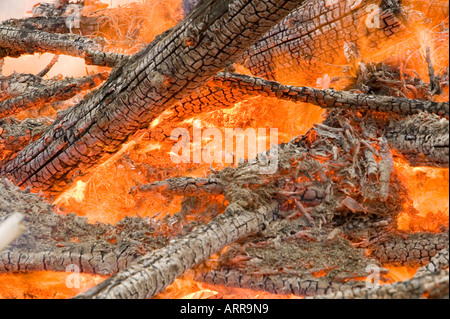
{"x":153,"y":273}
{"x":141,"y":89}
{"x":313,"y":37}
{"x":15,"y":135}
{"x":59,"y":91}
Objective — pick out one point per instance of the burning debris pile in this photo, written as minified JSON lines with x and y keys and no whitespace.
{"x":358,"y":90}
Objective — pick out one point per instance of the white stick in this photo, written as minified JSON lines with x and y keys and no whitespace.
{"x":10,"y":229}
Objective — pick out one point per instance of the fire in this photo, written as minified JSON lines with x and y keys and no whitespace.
{"x":45,"y":285}
{"x":429,"y":192}
{"x":187,"y":288}
{"x":103,"y":194}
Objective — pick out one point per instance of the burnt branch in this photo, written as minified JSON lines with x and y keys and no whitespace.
{"x":150,"y":275}
{"x":423,"y":139}
{"x":59,"y":91}
{"x":15,"y":42}
{"x":183,"y":186}
{"x":277,"y":284}
{"x":251,"y":86}
{"x":409,"y":249}
{"x":48,"y":67}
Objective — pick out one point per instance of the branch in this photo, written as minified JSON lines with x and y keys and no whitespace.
{"x":59,"y":91}
{"x":183,"y":186}
{"x":10,"y":229}
{"x":422,"y":139}
{"x":15,"y":42}
{"x":251,"y":86}
{"x":153,"y":273}
{"x":434,"y":285}
{"x":409,"y":249}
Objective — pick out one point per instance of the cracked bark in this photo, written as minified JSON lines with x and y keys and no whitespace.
{"x":143,"y":88}
{"x":409,"y":249}
{"x":183,"y":186}
{"x":277,"y":284}
{"x":153,"y":273}
{"x":423,"y":139}
{"x":314,"y":35}
{"x":434,"y":286}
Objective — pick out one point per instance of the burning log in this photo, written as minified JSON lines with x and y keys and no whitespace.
{"x":328,"y":98}
{"x":434,"y":286}
{"x":16,"y":42}
{"x":410,"y":249}
{"x":153,"y":273}
{"x":183,"y":186}
{"x":155,"y":87}
{"x":15,"y":135}
{"x":60,"y":91}
{"x":313,"y":36}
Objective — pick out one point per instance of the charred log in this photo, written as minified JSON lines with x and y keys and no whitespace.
{"x":423,"y":140}
{"x":314,"y":35}
{"x":60,"y":91}
{"x":434,"y":286}
{"x":410,"y":249}
{"x":15,"y":42}
{"x":329,"y":98}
